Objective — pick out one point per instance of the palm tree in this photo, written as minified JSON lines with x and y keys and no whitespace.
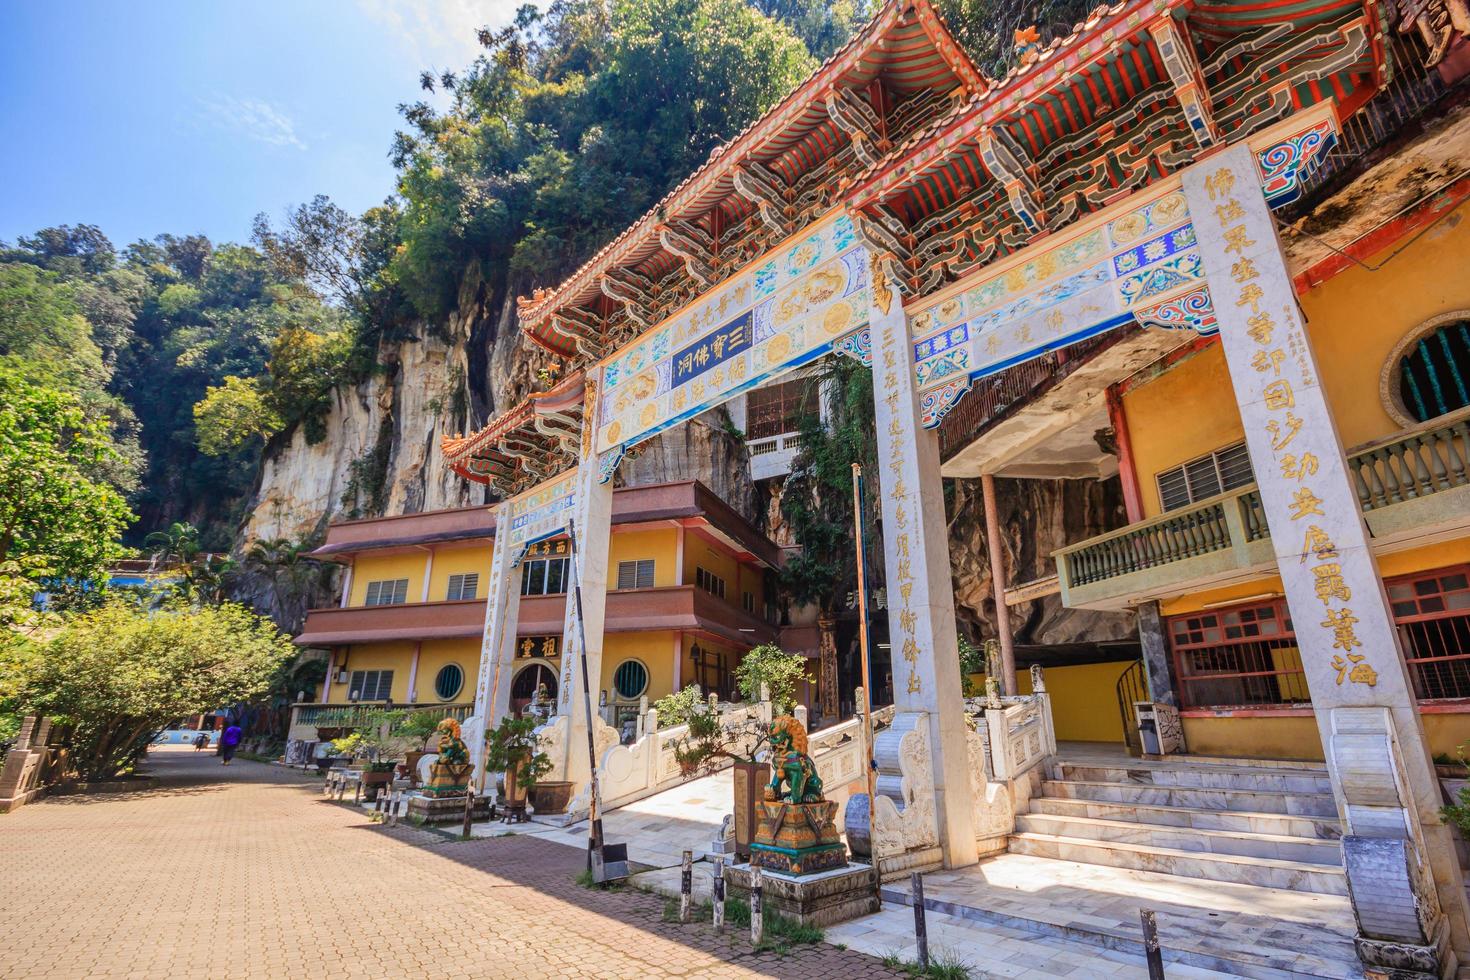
{"x":179,"y":544}
{"x":289,"y":566}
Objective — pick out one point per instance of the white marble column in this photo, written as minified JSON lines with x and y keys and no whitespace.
{"x":498,"y":642}
{"x":592,"y":524}
{"x":1382,"y":776}
{"x":921,"y":617}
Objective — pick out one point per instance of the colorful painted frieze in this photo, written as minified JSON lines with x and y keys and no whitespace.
{"x":539,"y":513}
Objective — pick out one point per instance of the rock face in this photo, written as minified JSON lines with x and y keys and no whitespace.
{"x":705,"y":450}
{"x":1036,"y":518}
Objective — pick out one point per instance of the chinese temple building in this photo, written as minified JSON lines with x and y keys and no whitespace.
{"x":691,"y":595}
{"x":1212,"y":250}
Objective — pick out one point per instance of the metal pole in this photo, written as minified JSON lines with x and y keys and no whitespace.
{"x":719,"y":896}
{"x":1007,"y":680}
{"x":1151,"y":949}
{"x":686,"y":886}
{"x":862,"y":590}
{"x":757,"y":926}
{"x":594,"y":816}
{"x":921,"y":929}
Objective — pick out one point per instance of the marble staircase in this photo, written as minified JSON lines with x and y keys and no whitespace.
{"x":1269,"y":824}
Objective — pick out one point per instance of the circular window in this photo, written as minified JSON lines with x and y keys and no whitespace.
{"x":1428,"y":373}
{"x":448,"y":682}
{"x":630,"y":679}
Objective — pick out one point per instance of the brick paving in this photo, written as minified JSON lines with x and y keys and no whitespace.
{"x":247,"y":872}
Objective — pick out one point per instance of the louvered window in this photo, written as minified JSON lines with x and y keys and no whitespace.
{"x":635,"y":574}
{"x":388,"y":592}
{"x":709,"y":582}
{"x":371,"y":685}
{"x":1223,"y":470}
{"x":464,"y":586}
{"x":1434,"y":375}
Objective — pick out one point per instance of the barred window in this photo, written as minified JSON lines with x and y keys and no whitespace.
{"x":635,"y":574}
{"x":463,"y":586}
{"x":371,"y":685}
{"x":1434,"y":372}
{"x":709,"y":582}
{"x":388,"y":592}
{"x":1222,"y":470}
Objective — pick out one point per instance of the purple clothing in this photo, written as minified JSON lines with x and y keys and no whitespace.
{"x":231,"y":737}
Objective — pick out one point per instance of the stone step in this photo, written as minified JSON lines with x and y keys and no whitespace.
{"x":1284,"y":824}
{"x":1238,"y":930}
{"x":1265,"y":872}
{"x":1280,"y":847}
{"x":1256,"y":801}
{"x":1279,"y":780}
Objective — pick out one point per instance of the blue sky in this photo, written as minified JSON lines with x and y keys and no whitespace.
{"x":186,"y":116}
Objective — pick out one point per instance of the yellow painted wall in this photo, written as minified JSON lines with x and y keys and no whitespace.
{"x":1254,"y":737}
{"x":1084,"y":700}
{"x":1446,"y":733}
{"x":655,"y":650}
{"x":660,"y":544}
{"x":375,"y":656}
{"x":459,"y":561}
{"x":435,"y":654}
{"x":1355,"y":320}
{"x":698,"y":553}
{"x":373,"y":568}
{"x":1441,"y":554}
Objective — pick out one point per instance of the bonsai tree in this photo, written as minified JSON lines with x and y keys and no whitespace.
{"x":711,"y":739}
{"x":514,"y":749}
{"x":675,"y":709}
{"x":417,"y":727}
{"x":349,"y":746}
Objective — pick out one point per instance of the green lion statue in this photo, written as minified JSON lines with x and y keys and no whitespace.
{"x":452,"y":750}
{"x":792,"y":768}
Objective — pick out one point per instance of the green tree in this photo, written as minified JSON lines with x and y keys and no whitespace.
{"x":42,"y":327}
{"x":230,"y":415}
{"x":775,"y":670}
{"x":53,"y":508}
{"x":119,"y":674}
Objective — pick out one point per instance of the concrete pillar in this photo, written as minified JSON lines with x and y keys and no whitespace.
{"x":592,"y":524}
{"x":1156,"y":655}
{"x":926,"y":669}
{"x":498,"y":642}
{"x":1382,"y":777}
{"x":998,"y":581}
{"x":413,"y":672}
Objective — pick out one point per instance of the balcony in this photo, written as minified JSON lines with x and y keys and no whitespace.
{"x":1413,"y":487}
{"x":384,"y":624}
{"x":305,"y":718}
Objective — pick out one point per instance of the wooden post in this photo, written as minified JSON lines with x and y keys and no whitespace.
{"x":998,"y":585}
{"x":757,"y":927}
{"x":1151,"y":949}
{"x":921,"y":930}
{"x":719,"y":895}
{"x":686,"y":886}
{"x":469,"y":805}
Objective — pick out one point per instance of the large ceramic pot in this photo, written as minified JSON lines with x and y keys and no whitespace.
{"x":551,"y":796}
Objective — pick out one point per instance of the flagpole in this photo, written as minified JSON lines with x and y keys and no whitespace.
{"x":594,"y":817}
{"x":862,"y":592}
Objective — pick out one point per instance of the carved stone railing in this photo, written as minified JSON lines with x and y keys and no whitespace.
{"x":1018,"y":736}
{"x":1412,"y":465}
{"x":650,"y":764}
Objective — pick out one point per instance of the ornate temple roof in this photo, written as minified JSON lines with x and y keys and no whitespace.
{"x":755,"y":178}
{"x":533,"y":441}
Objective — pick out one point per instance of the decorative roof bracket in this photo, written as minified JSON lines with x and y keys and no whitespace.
{"x":566,"y":430}
{"x":1189,"y":82}
{"x":582,"y":328}
{"x":694,"y":245}
{"x":852,"y":114}
{"x":634,"y":291}
{"x":1007,"y":163}
{"x":761,"y":186}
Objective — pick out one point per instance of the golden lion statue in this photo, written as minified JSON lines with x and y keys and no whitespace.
{"x":791,"y":765}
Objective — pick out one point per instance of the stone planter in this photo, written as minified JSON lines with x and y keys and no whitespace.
{"x":551,"y":796}
{"x":373,"y":781}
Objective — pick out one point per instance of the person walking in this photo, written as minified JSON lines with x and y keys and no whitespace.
{"x":229,"y":741}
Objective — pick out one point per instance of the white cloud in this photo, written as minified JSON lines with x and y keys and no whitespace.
{"x":439,"y":34}
{"x":256,"y":119}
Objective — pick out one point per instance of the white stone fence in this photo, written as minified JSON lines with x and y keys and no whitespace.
{"x":1018,"y":735}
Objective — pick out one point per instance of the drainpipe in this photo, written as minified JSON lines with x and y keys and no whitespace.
{"x":998,"y":582}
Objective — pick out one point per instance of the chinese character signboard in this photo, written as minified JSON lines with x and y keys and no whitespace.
{"x":785,"y":309}
{"x":1348,"y":644}
{"x":540,"y":512}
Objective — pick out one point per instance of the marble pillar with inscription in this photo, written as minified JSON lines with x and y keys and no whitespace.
{"x":921,"y":616}
{"x":1376,"y":752}
{"x":592,"y":525}
{"x":497,"y":645}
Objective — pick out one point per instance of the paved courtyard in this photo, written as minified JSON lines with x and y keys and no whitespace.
{"x":247,"y":872}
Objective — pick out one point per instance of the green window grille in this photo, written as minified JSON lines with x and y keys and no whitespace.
{"x":630,"y":679}
{"x":1435,"y":372}
{"x":448,"y":682}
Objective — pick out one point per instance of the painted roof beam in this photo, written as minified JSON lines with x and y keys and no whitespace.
{"x":634,"y":291}
{"x":765,"y":189}
{"x":694,"y":245}
{"x":1189,"y":81}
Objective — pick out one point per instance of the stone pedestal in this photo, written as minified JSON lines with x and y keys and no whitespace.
{"x":447,"y":780}
{"x":822,"y":899}
{"x":423,"y":809}
{"x":797,"y":838}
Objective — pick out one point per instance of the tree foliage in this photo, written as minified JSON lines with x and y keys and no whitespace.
{"x":770,"y":668}
{"x":119,"y":674}
{"x":54,"y":510}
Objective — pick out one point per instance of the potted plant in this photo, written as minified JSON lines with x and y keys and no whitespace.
{"x":710,"y":741}
{"x":514,"y":749}
{"x":416,"y":728}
